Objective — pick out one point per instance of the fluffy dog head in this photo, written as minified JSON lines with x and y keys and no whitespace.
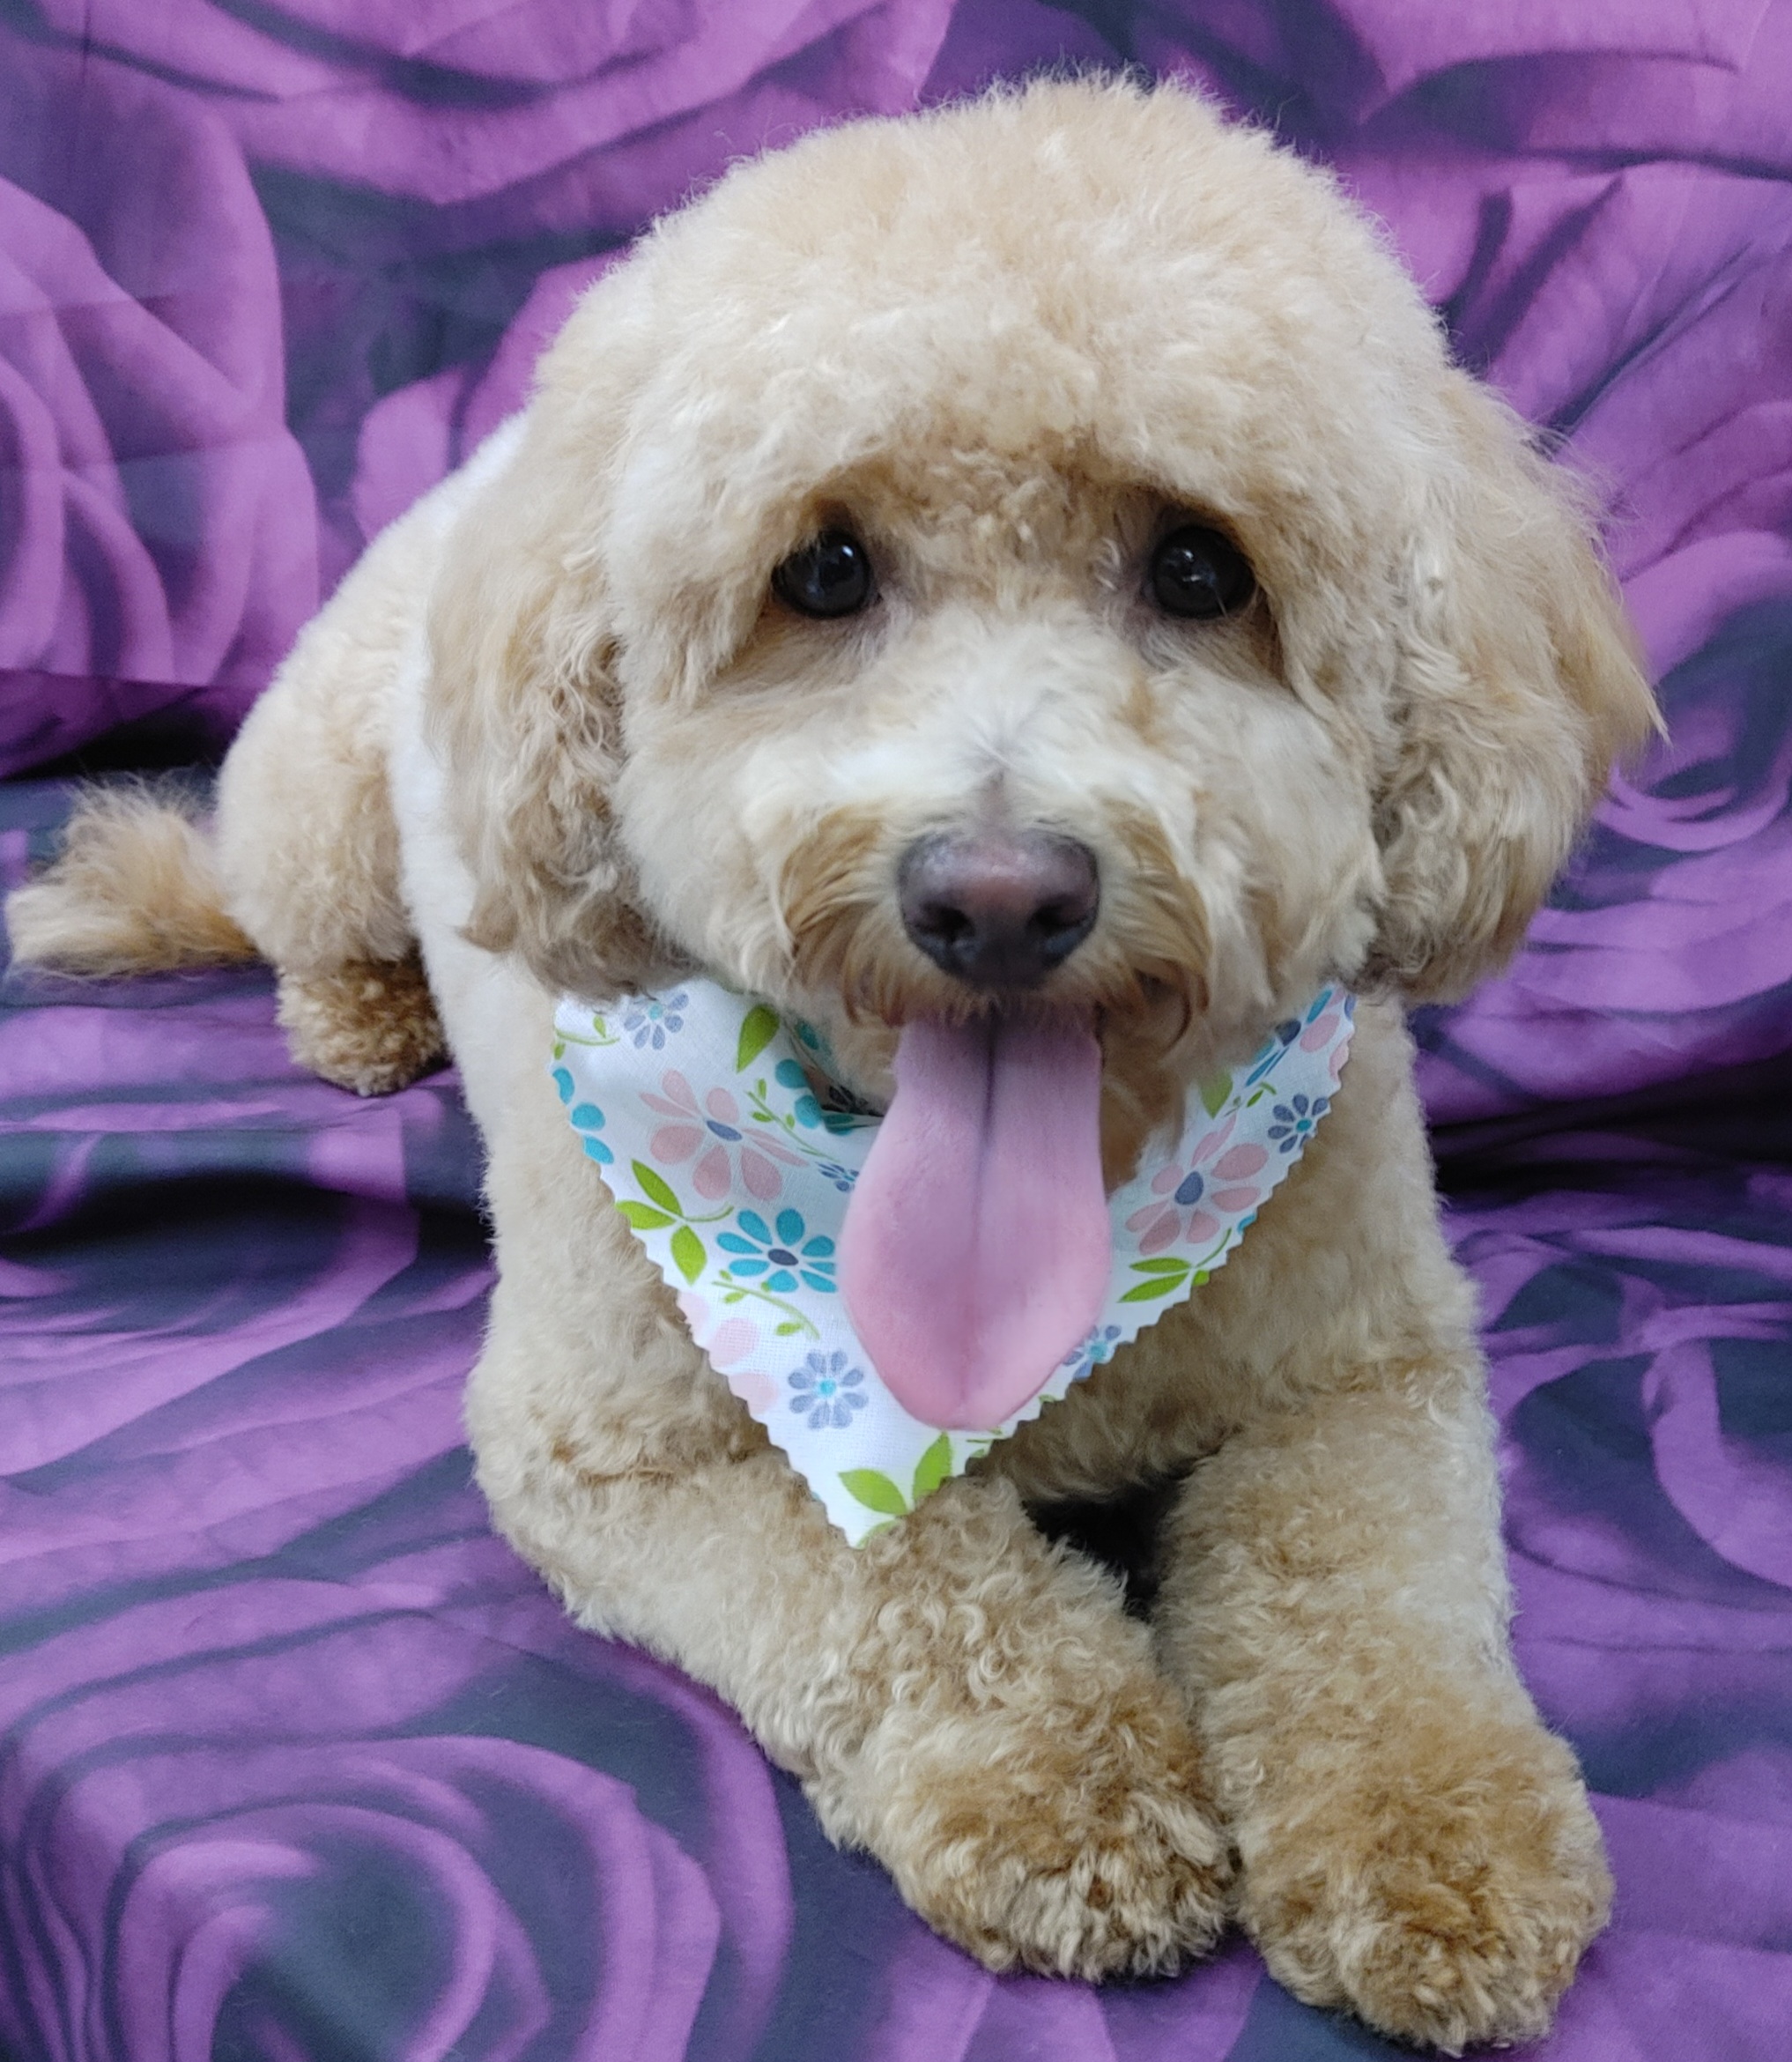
{"x":1158,"y":530}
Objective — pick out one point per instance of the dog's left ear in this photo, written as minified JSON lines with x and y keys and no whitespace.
{"x":1518,"y":688}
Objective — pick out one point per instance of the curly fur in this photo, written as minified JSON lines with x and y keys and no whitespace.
{"x":557,"y":730}
{"x":368,"y":1024}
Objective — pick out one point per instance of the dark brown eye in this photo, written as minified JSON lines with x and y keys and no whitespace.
{"x":1198,"y":573}
{"x":830,"y":577}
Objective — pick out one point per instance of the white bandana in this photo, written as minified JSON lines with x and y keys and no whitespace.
{"x":702,"y":1111}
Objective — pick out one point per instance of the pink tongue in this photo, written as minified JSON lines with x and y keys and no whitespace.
{"x":976,"y":1249}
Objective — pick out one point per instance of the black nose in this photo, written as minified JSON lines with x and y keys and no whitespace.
{"x":998,"y":911}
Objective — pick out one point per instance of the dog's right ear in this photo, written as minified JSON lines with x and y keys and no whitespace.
{"x":525,"y":716}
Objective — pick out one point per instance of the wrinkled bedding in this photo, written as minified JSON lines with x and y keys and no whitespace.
{"x":298,"y":1763}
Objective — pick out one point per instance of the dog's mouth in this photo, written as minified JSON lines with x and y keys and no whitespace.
{"x":976,"y":1250}
{"x":1032,"y":1050}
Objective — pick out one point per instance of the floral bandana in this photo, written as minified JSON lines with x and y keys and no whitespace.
{"x":711,"y":1124}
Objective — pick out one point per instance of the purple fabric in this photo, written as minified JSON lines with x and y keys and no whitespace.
{"x":296,"y":1761}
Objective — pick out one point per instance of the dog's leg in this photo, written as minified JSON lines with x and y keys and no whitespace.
{"x":308,"y":840}
{"x":958,"y":1696}
{"x":1414,"y":1845}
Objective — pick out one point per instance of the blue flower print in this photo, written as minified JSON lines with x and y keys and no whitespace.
{"x":826,"y":1391}
{"x":563,"y":1082}
{"x":842,"y":1177}
{"x":832,"y":1107}
{"x":1295,"y":1120}
{"x":780,"y":1254}
{"x":1098,"y":1347}
{"x":839,"y":1120}
{"x":1191,"y":1190}
{"x":1272,"y":1048}
{"x":806,"y":1109}
{"x":648,"y":1020}
{"x":588,"y":1118}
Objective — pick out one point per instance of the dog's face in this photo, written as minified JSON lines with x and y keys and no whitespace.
{"x":1036,"y":558}
{"x":1023,"y":765}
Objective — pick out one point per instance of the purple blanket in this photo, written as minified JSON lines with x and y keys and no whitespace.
{"x":298,"y":1764}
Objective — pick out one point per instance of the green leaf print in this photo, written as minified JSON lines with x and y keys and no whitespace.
{"x":1162,"y":1266}
{"x":1213,"y":1091}
{"x":687,"y":1252}
{"x":600,"y":1034}
{"x":933,"y":1467}
{"x":660,"y":1190}
{"x":1157,"y":1284}
{"x":644,"y":1217}
{"x":876,"y":1491}
{"x":756,"y":1034}
{"x":795,"y":1323}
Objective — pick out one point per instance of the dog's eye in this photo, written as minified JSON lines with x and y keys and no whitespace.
{"x":830,"y":577}
{"x":1196,"y":572}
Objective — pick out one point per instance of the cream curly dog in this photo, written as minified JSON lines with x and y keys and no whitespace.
{"x":1032,"y":557}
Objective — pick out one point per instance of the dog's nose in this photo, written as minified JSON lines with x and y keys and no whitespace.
{"x":998,"y":911}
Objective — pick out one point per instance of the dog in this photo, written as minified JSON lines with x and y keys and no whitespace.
{"x":1035,"y":562}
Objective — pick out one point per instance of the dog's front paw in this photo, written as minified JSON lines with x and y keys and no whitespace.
{"x":1444,"y":1893}
{"x":1077,"y":1843}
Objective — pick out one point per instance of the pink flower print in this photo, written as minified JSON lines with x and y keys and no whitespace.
{"x":1213,"y":1142}
{"x":709,"y":1133}
{"x":1320,"y":1030}
{"x":758,"y":1392}
{"x":1161,"y":1224}
{"x":733,"y":1339}
{"x":1236,"y":1167}
{"x":1158,"y":1225}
